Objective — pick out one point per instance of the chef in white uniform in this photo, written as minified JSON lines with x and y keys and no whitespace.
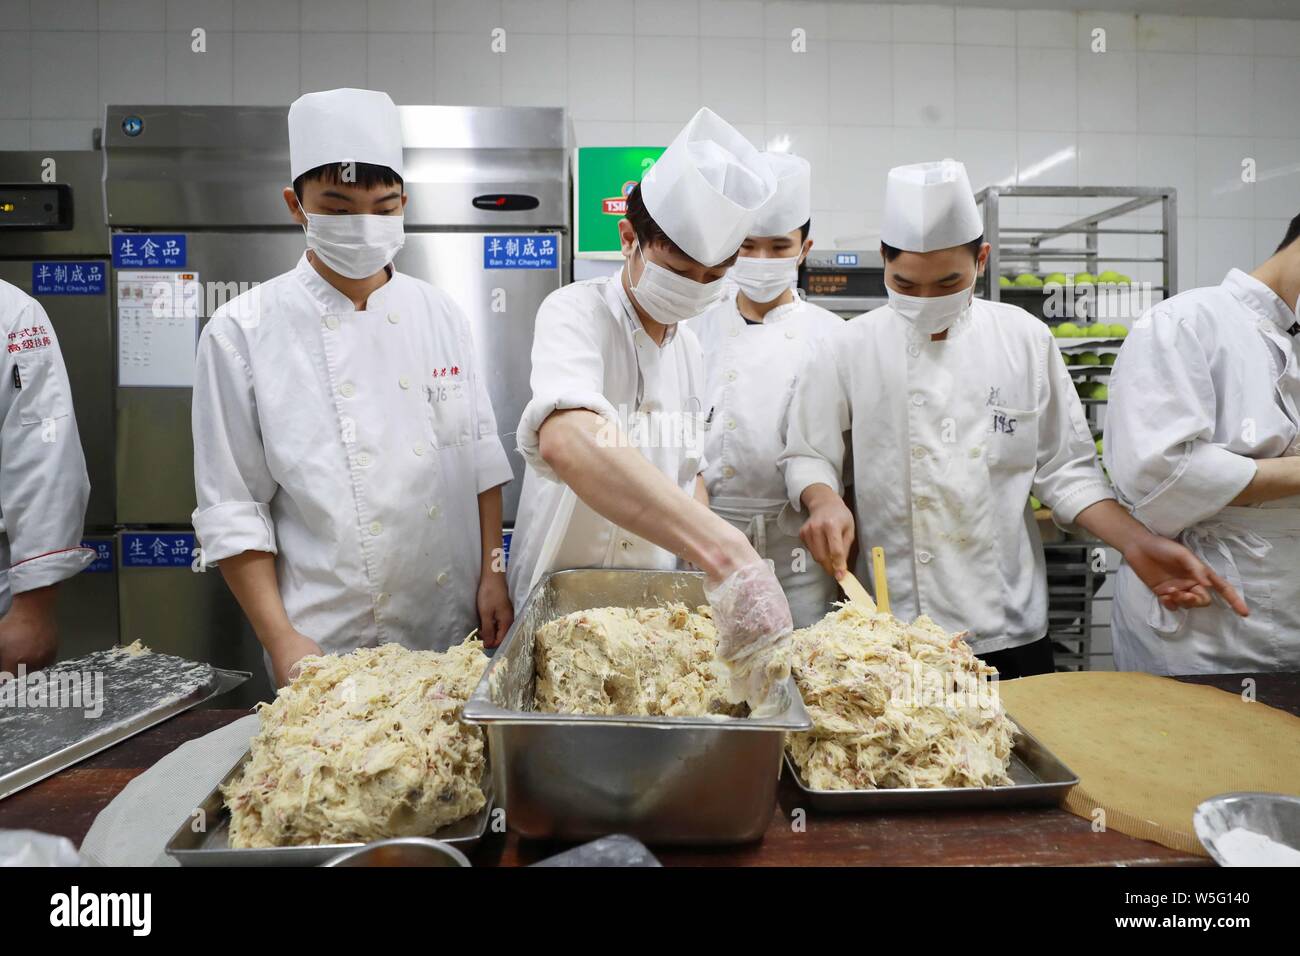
{"x":613,"y":434}
{"x":959,"y":410}
{"x":43,"y":484}
{"x":755,"y":341}
{"x":346,"y":456}
{"x":1203,"y":442}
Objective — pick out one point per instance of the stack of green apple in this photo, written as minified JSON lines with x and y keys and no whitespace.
{"x":1098,"y":330}
{"x":1094,"y":390}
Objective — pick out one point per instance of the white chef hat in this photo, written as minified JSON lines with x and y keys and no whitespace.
{"x":706,"y":188}
{"x":929,"y":206}
{"x":338,"y":126}
{"x":791,"y":205}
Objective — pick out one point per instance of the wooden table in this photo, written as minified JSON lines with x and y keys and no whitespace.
{"x":68,"y":802}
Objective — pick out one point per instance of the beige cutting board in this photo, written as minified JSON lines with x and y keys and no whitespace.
{"x":1148,"y":749}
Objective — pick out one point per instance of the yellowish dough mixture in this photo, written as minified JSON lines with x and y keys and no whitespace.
{"x":363,"y":746}
{"x":633,"y":662}
{"x":880,"y":693}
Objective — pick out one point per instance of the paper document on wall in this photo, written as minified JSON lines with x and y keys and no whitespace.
{"x":157,"y":328}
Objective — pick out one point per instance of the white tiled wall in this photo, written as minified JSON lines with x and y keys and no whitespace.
{"x":1019,"y":95}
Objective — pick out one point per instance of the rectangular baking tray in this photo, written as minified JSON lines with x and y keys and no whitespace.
{"x":139,"y":691}
{"x":664,"y":780}
{"x":1038,"y":779}
{"x":211,"y":847}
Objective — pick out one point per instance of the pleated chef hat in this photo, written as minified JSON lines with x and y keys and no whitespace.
{"x":707,"y":187}
{"x":929,"y":206}
{"x":791,"y":204}
{"x":337,"y":126}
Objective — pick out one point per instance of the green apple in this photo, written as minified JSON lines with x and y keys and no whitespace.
{"x":1084,"y":278}
{"x":1034,"y":503}
{"x":1109,"y":277}
{"x":1066,"y":330}
{"x":1124,"y":280}
{"x":1005,"y":281}
{"x":1118,"y":331}
{"x":1098,"y":444}
{"x":1089,"y":358}
{"x":1099,"y":330}
{"x":1057,"y":278}
{"x":1108,"y":358}
{"x":1028,"y":281}
{"x":1100,"y":391}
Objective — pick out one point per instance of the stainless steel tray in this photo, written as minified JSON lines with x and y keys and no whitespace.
{"x":211,"y":847}
{"x":1038,"y":778}
{"x":664,"y":780}
{"x":138,"y":691}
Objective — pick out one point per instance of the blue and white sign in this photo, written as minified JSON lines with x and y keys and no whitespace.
{"x":103,"y":562}
{"x":146,"y":250}
{"x":158,"y":549}
{"x":69,"y":278}
{"x":520,"y":252}
{"x":846,"y":258}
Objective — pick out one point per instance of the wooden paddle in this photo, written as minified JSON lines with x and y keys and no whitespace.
{"x":855,"y":592}
{"x":878,"y":578}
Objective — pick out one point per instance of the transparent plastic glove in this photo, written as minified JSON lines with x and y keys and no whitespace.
{"x":753,"y":621}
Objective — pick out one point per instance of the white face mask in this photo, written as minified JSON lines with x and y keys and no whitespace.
{"x":355,"y":246}
{"x":670,"y":298}
{"x":763,"y":280}
{"x":931,"y":315}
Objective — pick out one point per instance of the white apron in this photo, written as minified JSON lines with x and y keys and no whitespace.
{"x":1257,"y":551}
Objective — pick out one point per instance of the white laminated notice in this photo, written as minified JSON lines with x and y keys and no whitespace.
{"x":157,"y":327}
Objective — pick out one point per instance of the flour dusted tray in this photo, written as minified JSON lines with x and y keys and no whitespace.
{"x":90,"y":703}
{"x":210,"y":846}
{"x":1038,"y":779}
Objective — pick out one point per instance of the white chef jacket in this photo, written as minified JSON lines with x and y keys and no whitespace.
{"x":591,"y":351}
{"x":1206,"y":383}
{"x":949,"y":440}
{"x":751,"y":372}
{"x":353,"y":445}
{"x":43,"y":481}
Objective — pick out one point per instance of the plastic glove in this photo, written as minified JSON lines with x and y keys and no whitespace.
{"x":753,"y":621}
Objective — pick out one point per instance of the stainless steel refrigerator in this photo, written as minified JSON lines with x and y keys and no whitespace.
{"x":194,"y":197}
{"x":54,"y":245}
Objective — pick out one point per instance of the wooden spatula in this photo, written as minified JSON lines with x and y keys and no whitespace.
{"x":878,"y":578}
{"x":855,"y":592}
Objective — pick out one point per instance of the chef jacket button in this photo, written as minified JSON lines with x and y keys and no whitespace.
{"x":975,"y":452}
{"x":404,"y":382}
{"x":734,"y":332}
{"x":918,"y":452}
{"x":363,"y":459}
{"x":728,"y":472}
{"x":731,"y":424}
{"x":924,"y":556}
{"x":441,"y":578}
{"x":914,"y":350}
{"x":418,"y":448}
{"x":394,"y":318}
{"x":347,"y":390}
{"x":433,"y":511}
{"x":381,"y":597}
{"x":789,"y":335}
{"x":918,"y":400}
{"x":376,"y":528}
{"x":731,"y":376}
{"x":331,"y":322}
{"x":922,"y":503}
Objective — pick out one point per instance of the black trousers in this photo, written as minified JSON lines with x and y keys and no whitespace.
{"x":1023,"y":661}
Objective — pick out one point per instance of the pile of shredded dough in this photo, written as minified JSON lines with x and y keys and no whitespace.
{"x":658,"y":662}
{"x":873,"y":686}
{"x":361,"y":747}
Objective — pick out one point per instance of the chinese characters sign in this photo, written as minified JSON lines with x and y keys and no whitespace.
{"x":68,"y":278}
{"x":520,"y":252}
{"x":167,"y":549}
{"x":141,"y":250}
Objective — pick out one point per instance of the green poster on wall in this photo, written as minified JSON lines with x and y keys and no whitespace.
{"x":604,"y":176}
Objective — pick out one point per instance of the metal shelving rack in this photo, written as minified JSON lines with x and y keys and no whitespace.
{"x":1072,"y":582}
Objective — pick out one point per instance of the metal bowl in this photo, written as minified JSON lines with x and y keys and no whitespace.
{"x":1274,"y":815}
{"x":401,"y":851}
